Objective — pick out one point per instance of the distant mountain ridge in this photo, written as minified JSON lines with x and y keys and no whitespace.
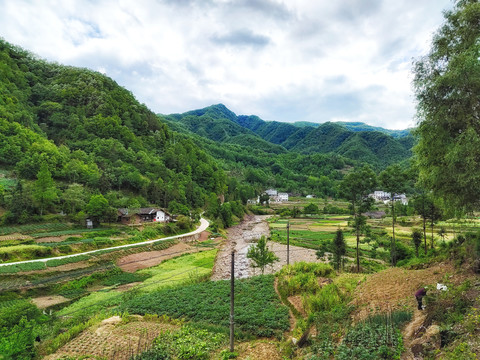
{"x":358,"y":141}
{"x":359,"y":126}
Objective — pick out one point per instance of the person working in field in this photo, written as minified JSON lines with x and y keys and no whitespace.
{"x":419,"y":296}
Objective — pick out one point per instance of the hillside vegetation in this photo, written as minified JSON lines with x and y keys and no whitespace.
{"x":376,"y":146}
{"x":82,"y":128}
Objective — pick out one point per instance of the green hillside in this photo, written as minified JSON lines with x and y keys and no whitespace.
{"x":357,"y":141}
{"x":86,"y":129}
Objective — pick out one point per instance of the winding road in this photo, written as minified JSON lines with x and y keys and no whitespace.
{"x":203,"y":226}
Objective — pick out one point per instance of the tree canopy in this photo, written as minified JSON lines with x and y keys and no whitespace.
{"x":447,"y":84}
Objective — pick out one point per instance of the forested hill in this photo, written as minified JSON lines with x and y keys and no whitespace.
{"x":356,"y":141}
{"x":88,"y":130}
{"x":360,"y":126}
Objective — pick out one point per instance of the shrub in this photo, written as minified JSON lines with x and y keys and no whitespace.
{"x":326,"y":299}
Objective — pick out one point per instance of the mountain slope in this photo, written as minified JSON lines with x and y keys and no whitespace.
{"x":364,"y":143}
{"x":89,"y":130}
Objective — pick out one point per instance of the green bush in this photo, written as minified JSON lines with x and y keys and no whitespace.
{"x":301,"y":277}
{"x":18,"y":319}
{"x":326,"y":299}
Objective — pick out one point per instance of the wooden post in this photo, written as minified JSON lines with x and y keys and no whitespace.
{"x":288,"y":242}
{"x":232,"y":295}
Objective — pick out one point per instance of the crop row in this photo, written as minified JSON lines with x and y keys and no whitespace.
{"x":258,"y":310}
{"x":29,"y":228}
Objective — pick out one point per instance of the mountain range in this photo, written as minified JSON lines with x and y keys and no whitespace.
{"x":357,"y":141}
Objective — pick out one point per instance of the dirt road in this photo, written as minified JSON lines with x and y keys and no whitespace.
{"x":241,"y":237}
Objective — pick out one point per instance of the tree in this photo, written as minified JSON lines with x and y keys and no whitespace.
{"x":73,"y":198}
{"x":420,"y":204}
{"x":355,"y":187}
{"x":260,"y":254}
{"x":392,"y":179}
{"x":339,"y":248}
{"x":434,"y":213}
{"x":45,"y":191}
{"x":97,"y":208}
{"x":310,"y":209}
{"x":447,"y":84}
{"x":416,"y":239}
{"x":442,"y":232}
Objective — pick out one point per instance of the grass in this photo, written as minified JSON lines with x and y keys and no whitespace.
{"x":34,"y":228}
{"x":20,"y":252}
{"x":73,"y":259}
{"x":187,"y":343}
{"x":13,"y":269}
{"x":92,"y":304}
{"x":258,"y":310}
{"x":182,"y":269}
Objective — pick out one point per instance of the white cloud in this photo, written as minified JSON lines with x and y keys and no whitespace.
{"x":286,"y":61}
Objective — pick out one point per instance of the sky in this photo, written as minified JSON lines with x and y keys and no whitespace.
{"x":295,"y":60}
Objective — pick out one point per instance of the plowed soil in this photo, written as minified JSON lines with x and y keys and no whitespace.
{"x":146,"y":259}
{"x":113,"y":340}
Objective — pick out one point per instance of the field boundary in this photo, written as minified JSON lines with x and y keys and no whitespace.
{"x":191,"y":236}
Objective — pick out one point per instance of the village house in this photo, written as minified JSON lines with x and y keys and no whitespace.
{"x":281,"y":197}
{"x":138,"y":216}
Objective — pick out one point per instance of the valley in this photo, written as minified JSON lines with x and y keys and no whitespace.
{"x":351,"y":241}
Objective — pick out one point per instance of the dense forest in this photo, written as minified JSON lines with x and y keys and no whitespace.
{"x":69,"y":133}
{"x":90,"y":136}
{"x":355,"y":141}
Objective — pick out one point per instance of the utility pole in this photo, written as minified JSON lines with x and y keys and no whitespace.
{"x":232,"y":295}
{"x":288,"y":242}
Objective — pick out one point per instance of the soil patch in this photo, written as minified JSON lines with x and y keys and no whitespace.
{"x":44,"y":302}
{"x":14,"y":236}
{"x":204,"y":236}
{"x":60,"y":268}
{"x":49,"y":239}
{"x":296,"y":301}
{"x":259,"y":350}
{"x":113,"y":339}
{"x":146,"y":259}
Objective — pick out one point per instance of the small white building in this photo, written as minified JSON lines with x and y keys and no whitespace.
{"x":161,"y":216}
{"x":271,"y":192}
{"x":282,"y":197}
{"x":402,"y":198}
{"x":380,"y":195}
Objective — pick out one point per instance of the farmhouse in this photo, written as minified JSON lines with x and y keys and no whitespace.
{"x":138,"y":216}
{"x":281,"y":197}
{"x":271,"y":192}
